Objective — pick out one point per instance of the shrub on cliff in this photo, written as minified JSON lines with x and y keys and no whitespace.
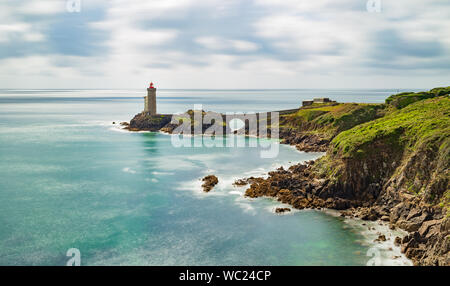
{"x":404,"y":99}
{"x":328,"y":121}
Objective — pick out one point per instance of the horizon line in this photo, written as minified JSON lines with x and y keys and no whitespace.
{"x":229,"y":89}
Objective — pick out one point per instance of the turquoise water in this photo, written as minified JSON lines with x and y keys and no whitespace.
{"x":71,"y":179}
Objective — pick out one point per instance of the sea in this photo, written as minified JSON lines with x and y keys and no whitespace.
{"x":71,"y":181}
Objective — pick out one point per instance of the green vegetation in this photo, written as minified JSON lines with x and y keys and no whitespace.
{"x":445,"y":202}
{"x":404,"y":144}
{"x":331,"y":119}
{"x":404,"y":99}
{"x":328,"y":120}
{"x":424,"y":122}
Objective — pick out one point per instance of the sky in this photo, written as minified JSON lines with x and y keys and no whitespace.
{"x":224,"y":44}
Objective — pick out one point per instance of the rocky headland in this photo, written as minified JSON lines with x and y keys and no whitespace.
{"x":386,"y":162}
{"x":394,"y":168}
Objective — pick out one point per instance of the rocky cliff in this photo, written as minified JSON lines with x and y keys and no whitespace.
{"x":393,"y":167}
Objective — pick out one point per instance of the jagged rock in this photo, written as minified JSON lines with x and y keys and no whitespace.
{"x":367,"y":214}
{"x":209,"y":182}
{"x":241,"y":182}
{"x":414,"y":213}
{"x":408,"y":225}
{"x":426,"y":226}
{"x":282,"y":210}
{"x":146,"y":122}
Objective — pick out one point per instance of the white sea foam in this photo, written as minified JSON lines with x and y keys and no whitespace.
{"x":129,"y":170}
{"x":157,"y":173}
{"x":380,"y":253}
{"x":248,"y":208}
{"x":245,"y":205}
{"x":195,"y":186}
{"x":236,"y":193}
{"x":172,"y":163}
{"x":274,"y":205}
{"x":118,"y":129}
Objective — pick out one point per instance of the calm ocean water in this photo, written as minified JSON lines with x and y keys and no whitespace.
{"x":71,"y":179}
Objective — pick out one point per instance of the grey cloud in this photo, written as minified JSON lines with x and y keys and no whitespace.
{"x":389,"y":50}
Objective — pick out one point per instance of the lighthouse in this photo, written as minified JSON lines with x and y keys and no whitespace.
{"x":150,"y":100}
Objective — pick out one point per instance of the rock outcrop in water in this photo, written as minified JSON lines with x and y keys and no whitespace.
{"x":146,"y":122}
{"x":282,"y":210}
{"x":209,"y":182}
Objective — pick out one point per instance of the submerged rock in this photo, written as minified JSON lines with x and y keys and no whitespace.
{"x":282,"y":210}
{"x":241,"y":182}
{"x":380,"y":238}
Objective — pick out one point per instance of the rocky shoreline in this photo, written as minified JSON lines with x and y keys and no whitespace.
{"x":386,"y":163}
{"x":165,"y":123}
{"x":426,"y":244}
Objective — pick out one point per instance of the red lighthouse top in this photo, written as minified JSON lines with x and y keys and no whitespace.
{"x":151,"y":85}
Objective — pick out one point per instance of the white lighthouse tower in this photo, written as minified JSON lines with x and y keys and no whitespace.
{"x":150,"y":100}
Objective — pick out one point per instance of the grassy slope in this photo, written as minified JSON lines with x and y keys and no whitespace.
{"x":415,"y":129}
{"x":329,"y":120}
{"x":403,"y":99}
{"x":420,"y":123}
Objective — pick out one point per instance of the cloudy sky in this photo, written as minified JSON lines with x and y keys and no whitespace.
{"x":224,"y":43}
